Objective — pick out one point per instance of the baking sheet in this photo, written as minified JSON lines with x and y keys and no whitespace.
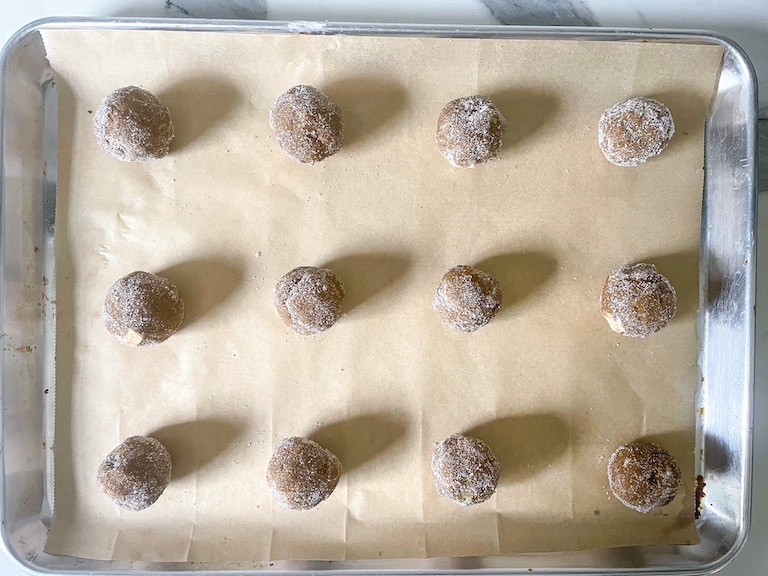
{"x":547,"y":384}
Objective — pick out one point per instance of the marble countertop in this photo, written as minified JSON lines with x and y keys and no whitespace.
{"x":743,"y":21}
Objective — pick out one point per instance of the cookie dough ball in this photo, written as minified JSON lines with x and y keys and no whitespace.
{"x":133,"y":125}
{"x":135,"y":473}
{"x":469,"y":131}
{"x":142,"y":309}
{"x":301,"y":473}
{"x":637,"y":300}
{"x":306,"y":124}
{"x":643,"y":476}
{"x":309,"y":299}
{"x":632,"y":131}
{"x":464,"y":470}
{"x":467,"y":298}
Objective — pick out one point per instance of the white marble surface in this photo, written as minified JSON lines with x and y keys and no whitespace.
{"x":744,"y":21}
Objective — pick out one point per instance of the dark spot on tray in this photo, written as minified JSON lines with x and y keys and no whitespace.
{"x":45,"y":391}
{"x":597,"y":512}
{"x":90,"y":111}
{"x":37,"y":249}
{"x":700,"y":484}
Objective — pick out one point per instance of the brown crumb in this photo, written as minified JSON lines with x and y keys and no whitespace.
{"x":700,"y":485}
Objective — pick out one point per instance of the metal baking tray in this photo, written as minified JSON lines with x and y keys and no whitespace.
{"x":28,"y":124}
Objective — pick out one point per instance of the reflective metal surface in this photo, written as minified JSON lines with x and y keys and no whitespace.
{"x":28,"y":307}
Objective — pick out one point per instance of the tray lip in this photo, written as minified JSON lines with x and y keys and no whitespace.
{"x":572,"y":33}
{"x":353,"y":28}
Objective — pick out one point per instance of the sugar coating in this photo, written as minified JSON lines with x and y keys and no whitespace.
{"x":136,"y":473}
{"x":466,"y":298}
{"x":309,"y":299}
{"x":301,"y":473}
{"x":464,"y":470}
{"x":307,"y":125}
{"x":643,"y":476}
{"x":141,"y":309}
{"x":133,"y":125}
{"x":469,"y":131}
{"x":637,"y":301}
{"x":632,"y":131}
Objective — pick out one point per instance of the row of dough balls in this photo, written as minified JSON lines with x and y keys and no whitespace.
{"x":142,"y":309}
{"x":301,"y":473}
{"x":133,"y":125}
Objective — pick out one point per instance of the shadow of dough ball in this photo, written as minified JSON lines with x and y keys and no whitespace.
{"x":466,"y":298}
{"x":632,"y":131}
{"x":135,"y":473}
{"x":469,"y":131}
{"x":643,"y":476}
{"x":142,"y":309}
{"x":464,"y":470}
{"x":637,"y":301}
{"x":301,"y":473}
{"x":133,"y":125}
{"x":307,"y":125}
{"x":309,"y":299}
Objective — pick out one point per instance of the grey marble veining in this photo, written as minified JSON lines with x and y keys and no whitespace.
{"x":541,"y":12}
{"x":217,"y":9}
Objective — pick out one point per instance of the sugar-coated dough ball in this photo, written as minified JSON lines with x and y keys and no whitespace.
{"x":301,"y":473}
{"x":135,"y":473}
{"x":309,"y":299}
{"x":466,"y":298}
{"x":469,"y":131}
{"x":643,"y":476}
{"x":464,"y":470}
{"x":133,"y":125}
{"x":142,"y":309}
{"x":307,"y":125}
{"x":637,"y":301}
{"x":632,"y":131}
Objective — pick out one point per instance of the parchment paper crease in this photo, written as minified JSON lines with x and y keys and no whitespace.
{"x":547,"y":384}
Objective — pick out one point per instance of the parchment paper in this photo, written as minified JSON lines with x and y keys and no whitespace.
{"x":547,"y":384}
